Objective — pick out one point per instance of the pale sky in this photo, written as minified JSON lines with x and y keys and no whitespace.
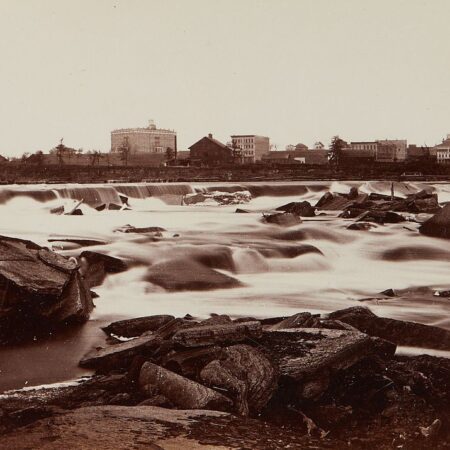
{"x":294,"y":70}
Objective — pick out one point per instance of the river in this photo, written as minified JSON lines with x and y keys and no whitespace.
{"x":352,"y":265}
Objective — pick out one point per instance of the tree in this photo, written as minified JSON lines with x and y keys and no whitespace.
{"x":335,"y":154}
{"x":95,"y":157}
{"x":24,"y":157}
{"x":39,"y":157}
{"x":170,"y":154}
{"x":124,"y":150}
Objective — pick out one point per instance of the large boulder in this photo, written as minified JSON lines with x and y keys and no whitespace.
{"x":246,"y":374}
{"x":438,"y":225}
{"x":179,"y":390}
{"x":186,"y":274}
{"x":309,"y":356}
{"x":40,"y":290}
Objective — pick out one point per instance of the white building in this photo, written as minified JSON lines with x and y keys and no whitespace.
{"x":443,"y":151}
{"x":252,"y":146}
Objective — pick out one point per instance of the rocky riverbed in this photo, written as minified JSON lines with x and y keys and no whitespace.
{"x":293,"y":365}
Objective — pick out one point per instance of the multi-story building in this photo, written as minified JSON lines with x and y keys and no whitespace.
{"x":443,"y":151}
{"x":144,"y":140}
{"x":399,"y":145}
{"x":251,"y":145}
{"x":387,"y":150}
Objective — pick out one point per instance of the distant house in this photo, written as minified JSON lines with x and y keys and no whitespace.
{"x":301,"y":146}
{"x":308,"y":157}
{"x":210,"y":152}
{"x":3,"y":159}
{"x":415,"y":153}
{"x":357,"y":156}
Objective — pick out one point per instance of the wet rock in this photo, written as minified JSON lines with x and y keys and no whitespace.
{"x":242,"y":211}
{"x":114,"y":207}
{"x":336,"y":202}
{"x":248,"y":376}
{"x":179,"y":390}
{"x":186,"y":274}
{"x":192,"y":199}
{"x":200,"y":336}
{"x":120,"y":355}
{"x":415,"y":253}
{"x":79,"y":241}
{"x":287,"y":251}
{"x":101,"y":207}
{"x":282,"y":219}
{"x":96,"y":266}
{"x":141,"y":230}
{"x":57,"y":210}
{"x":397,"y":331}
{"x":303,"y":209}
{"x":40,"y":290}
{"x":438,"y":225}
{"x":361,"y":226}
{"x":135,"y":327}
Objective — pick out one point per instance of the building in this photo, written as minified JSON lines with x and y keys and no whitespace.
{"x":308,"y":157}
{"x":369,"y":147}
{"x":210,"y":152}
{"x":253,"y":147}
{"x":144,"y":140}
{"x":400,"y":146}
{"x":358,"y":157}
{"x":442,"y":151}
{"x":417,"y":154}
{"x":387,"y":150}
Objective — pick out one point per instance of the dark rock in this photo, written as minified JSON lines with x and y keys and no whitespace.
{"x":309,"y":355}
{"x":114,"y":207}
{"x":242,"y":211}
{"x":135,"y":327}
{"x":179,"y":390}
{"x":303,"y":209}
{"x":185,"y":274}
{"x":361,"y":226}
{"x":95,"y":266}
{"x":123,"y":199}
{"x":120,"y":355}
{"x":336,"y":202}
{"x":101,"y":207}
{"x":79,"y":241}
{"x":300,"y":320}
{"x":438,"y":225}
{"x":190,"y":362}
{"x":141,"y":230}
{"x":353,"y":193}
{"x":40,"y":289}
{"x":397,"y":331}
{"x":246,"y":374}
{"x":75,"y":212}
{"x":58,"y":210}
{"x":282,"y":219}
{"x":201,"y":336}
{"x":389,"y":293}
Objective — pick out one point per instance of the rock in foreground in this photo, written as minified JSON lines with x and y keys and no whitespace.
{"x":40,"y":290}
{"x":438,"y":225}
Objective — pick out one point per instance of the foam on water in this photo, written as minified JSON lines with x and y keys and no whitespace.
{"x":352,"y":265}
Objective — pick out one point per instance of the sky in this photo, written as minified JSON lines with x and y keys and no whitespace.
{"x":293,"y":70}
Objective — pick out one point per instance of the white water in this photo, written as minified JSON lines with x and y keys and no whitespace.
{"x":351,"y":266}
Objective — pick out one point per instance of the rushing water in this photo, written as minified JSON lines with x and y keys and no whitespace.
{"x":352,"y":265}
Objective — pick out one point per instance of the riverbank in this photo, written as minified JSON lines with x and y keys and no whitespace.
{"x":31,"y":174}
{"x":303,"y":381}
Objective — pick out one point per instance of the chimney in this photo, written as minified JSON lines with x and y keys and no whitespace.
{"x":210,"y":135}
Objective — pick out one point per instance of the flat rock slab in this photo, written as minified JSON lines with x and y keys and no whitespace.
{"x":135,"y":327}
{"x":300,"y":354}
{"x":151,"y":428}
{"x":398,"y":331}
{"x":121,"y":354}
{"x":186,"y":274}
{"x":200,"y":336}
